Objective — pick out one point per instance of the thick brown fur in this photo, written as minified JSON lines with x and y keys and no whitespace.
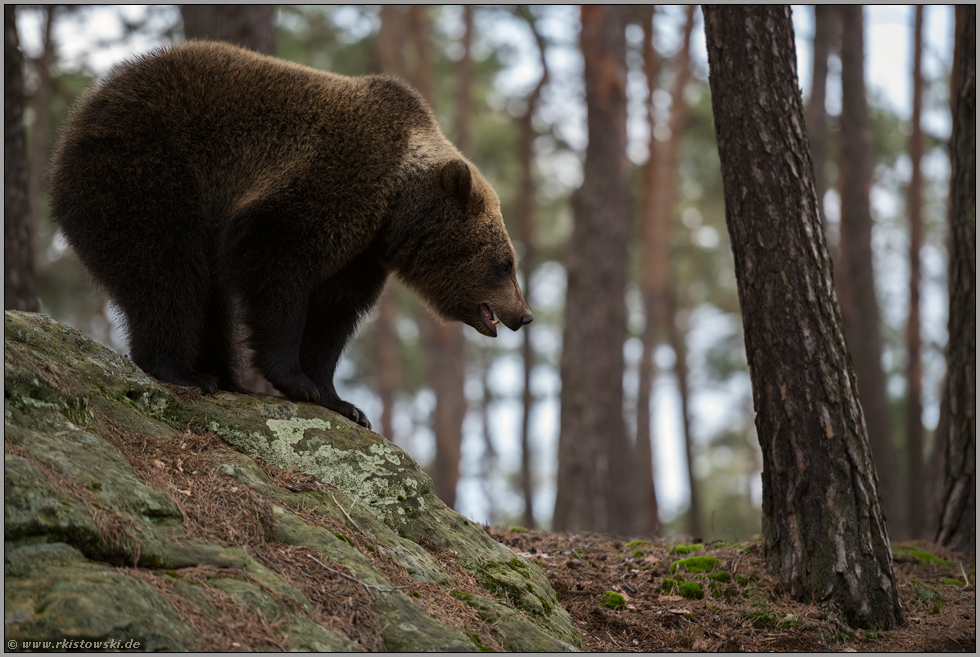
{"x":204,"y":175}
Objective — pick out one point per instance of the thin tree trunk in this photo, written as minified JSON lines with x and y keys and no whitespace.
{"x":913,"y":339}
{"x":648,"y":520}
{"x":464,"y":85}
{"x":526,"y":220}
{"x":958,"y":522}
{"x":934,"y":488}
{"x":594,"y":475}
{"x":825,"y":30}
{"x":390,"y":57}
{"x":445,"y":343}
{"x":418,"y":18}
{"x":825,"y":536}
{"x":41,"y":126}
{"x":390,"y":50}
{"x":19,"y":278}
{"x":862,"y":318}
{"x":488,"y":464}
{"x":678,"y":343}
{"x":248,"y":26}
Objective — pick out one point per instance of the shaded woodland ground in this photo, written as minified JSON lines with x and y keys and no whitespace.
{"x":745,"y":610}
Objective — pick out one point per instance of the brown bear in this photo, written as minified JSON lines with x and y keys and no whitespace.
{"x":205,"y":178}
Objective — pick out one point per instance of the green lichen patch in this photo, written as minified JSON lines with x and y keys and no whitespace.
{"x":116,"y":468}
{"x":695,"y":564}
{"x":612,"y":600}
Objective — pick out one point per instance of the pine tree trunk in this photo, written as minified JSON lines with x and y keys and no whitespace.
{"x":825,"y":24}
{"x":594,"y":491}
{"x":526,"y":224}
{"x":678,"y":342}
{"x":444,"y":342}
{"x":19,"y":280}
{"x":648,"y":520}
{"x":248,"y":26}
{"x":862,"y":318}
{"x":958,"y":522}
{"x":913,"y":339}
{"x":41,"y":104}
{"x":390,"y":59}
{"x":825,"y":535}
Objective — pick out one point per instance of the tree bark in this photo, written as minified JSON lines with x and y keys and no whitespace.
{"x":913,"y":340}
{"x":678,"y":343}
{"x":594,"y":455}
{"x":445,"y":343}
{"x":660,"y":197}
{"x":248,"y":26}
{"x":526,"y":221}
{"x":958,"y":522}
{"x":390,"y":57}
{"x":41,"y":127}
{"x":862,"y":318}
{"x":19,"y":277}
{"x":648,"y":520}
{"x":825,"y":536}
{"x":825,"y":34}
{"x":390,"y":49}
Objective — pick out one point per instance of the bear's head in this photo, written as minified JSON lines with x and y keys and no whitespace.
{"x":454,"y":250}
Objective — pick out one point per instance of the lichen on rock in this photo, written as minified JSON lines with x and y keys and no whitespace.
{"x":139,"y":509}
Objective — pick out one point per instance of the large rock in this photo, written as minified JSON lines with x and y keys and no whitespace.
{"x":126,"y":519}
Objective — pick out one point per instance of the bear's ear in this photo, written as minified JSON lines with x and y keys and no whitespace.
{"x":456,"y":180}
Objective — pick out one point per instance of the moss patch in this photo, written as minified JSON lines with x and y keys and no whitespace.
{"x":613,"y":600}
{"x":695,"y":564}
{"x":687,"y":549}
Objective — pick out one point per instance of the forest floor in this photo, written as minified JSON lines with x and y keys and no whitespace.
{"x":744,"y":610}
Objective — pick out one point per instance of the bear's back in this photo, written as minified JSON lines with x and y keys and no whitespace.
{"x":227,"y":127}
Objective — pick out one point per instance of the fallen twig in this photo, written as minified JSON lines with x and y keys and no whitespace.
{"x":966,"y":577}
{"x":354,"y":579}
{"x":345,"y":512}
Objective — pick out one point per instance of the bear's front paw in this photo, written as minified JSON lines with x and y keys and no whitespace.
{"x":349,"y":411}
{"x":299,"y":388}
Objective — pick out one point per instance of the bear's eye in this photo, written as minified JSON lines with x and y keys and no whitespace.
{"x":505,"y":268}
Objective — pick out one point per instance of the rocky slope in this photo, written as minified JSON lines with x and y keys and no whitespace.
{"x":161,"y":519}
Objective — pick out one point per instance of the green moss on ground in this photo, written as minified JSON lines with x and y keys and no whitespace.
{"x":687,"y":549}
{"x":613,"y":600}
{"x":695,"y":564}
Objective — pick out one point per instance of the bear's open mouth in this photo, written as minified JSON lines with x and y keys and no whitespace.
{"x":488,"y":320}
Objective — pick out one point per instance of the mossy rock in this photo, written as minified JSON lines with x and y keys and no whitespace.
{"x":74,"y":504}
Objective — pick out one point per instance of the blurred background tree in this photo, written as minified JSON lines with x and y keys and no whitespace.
{"x":507,"y":84}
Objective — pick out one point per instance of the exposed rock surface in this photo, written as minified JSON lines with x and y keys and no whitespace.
{"x":141,"y":512}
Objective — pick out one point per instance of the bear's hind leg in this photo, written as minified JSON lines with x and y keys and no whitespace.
{"x":218,"y":355}
{"x":275,"y":315}
{"x":164,"y":317}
